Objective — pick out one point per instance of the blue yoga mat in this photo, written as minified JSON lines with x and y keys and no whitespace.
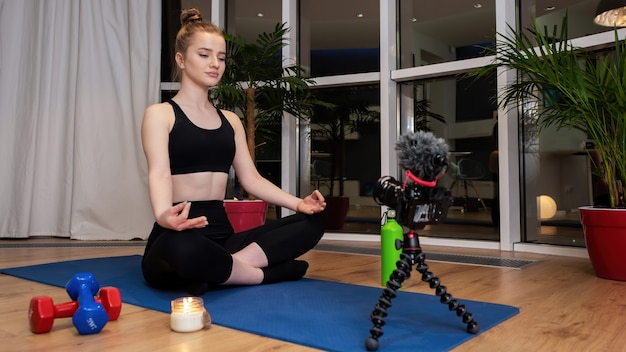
{"x":321,"y":314}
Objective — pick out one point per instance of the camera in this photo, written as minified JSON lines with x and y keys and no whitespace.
{"x":418,"y":201}
{"x":416,"y":205}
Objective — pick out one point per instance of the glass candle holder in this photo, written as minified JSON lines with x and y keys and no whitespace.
{"x":188,"y":314}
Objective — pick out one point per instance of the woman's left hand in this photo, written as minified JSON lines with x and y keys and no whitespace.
{"x":312,"y":204}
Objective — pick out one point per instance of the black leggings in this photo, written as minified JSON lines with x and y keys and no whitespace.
{"x":180,"y":259}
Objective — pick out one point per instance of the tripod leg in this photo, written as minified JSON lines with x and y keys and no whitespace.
{"x":397,"y":277}
{"x":445,"y":297}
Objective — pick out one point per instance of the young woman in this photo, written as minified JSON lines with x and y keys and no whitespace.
{"x":190,"y":147}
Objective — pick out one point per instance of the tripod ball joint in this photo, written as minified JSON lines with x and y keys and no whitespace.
{"x":434,"y":282}
{"x":447,"y":298}
{"x":371,"y":344}
{"x":473,"y":327}
{"x":404,"y":266}
{"x":390,"y":293}
{"x":398,"y":275}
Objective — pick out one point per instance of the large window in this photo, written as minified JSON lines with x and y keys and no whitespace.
{"x":557,"y":180}
{"x":464,"y":115}
{"x":345,"y":152}
{"x":249,"y":18}
{"x":339,"y":37}
{"x":579,"y":12}
{"x":435,"y":31}
{"x":557,"y":170}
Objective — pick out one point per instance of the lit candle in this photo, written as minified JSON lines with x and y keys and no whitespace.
{"x":188,"y":314}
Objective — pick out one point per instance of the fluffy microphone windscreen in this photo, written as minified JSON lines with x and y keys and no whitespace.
{"x":422,"y":153}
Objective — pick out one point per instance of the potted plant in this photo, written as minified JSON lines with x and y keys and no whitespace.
{"x":343,"y":114}
{"x":422,"y":116}
{"x":585,"y":90}
{"x":258,"y":86}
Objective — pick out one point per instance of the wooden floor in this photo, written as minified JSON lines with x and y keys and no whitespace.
{"x":564,"y":307}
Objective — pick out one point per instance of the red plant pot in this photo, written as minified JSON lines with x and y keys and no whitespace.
{"x":334,"y":216}
{"x":605,"y":238}
{"x":245,"y":214}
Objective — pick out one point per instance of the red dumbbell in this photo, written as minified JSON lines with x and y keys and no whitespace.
{"x":43,"y":311}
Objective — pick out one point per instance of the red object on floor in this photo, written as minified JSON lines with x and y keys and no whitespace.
{"x":605,"y":238}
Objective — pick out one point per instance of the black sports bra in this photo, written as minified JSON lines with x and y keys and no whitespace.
{"x":195,"y":149}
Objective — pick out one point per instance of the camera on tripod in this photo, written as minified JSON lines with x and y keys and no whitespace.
{"x":416,"y":205}
{"x":418,"y":201}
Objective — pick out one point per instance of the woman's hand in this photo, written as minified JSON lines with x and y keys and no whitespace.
{"x":312,"y":204}
{"x":176,"y":218}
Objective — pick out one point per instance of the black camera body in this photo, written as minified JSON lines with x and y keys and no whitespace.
{"x":419,"y":201}
{"x":416,"y":205}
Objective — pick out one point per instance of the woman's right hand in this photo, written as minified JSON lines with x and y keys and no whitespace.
{"x":177,"y":218}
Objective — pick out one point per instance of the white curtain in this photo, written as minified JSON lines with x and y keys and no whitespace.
{"x":75,"y":78}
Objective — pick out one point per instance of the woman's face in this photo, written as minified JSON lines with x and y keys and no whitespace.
{"x":204,"y":60}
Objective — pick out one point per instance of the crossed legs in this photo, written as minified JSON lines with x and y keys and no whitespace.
{"x":247,"y":264}
{"x":262,"y":255}
{"x":272,"y":248}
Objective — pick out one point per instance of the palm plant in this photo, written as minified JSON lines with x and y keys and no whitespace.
{"x":580,"y":88}
{"x":422,"y":115}
{"x":257,"y":84}
{"x":345,"y":113}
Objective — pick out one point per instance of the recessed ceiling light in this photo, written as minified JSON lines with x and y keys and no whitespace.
{"x":359,"y":15}
{"x":550,"y":8}
{"x":478,"y":5}
{"x":260,"y":14}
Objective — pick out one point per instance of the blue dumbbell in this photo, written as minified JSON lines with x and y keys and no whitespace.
{"x":90,"y":317}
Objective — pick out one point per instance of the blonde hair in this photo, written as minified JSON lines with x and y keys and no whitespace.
{"x":191,"y":23}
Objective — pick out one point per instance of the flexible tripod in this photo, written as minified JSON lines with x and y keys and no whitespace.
{"x":412,"y":254}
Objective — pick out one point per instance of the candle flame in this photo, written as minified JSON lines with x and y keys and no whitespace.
{"x":187,"y":307}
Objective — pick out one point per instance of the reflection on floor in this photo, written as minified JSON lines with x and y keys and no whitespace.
{"x":564,"y":229}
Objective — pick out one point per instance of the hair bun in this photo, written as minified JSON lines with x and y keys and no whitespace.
{"x":190,"y":15}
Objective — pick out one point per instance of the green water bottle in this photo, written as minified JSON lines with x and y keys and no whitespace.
{"x":390,"y":234}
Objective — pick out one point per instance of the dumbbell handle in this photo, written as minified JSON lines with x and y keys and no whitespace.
{"x":67,"y":309}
